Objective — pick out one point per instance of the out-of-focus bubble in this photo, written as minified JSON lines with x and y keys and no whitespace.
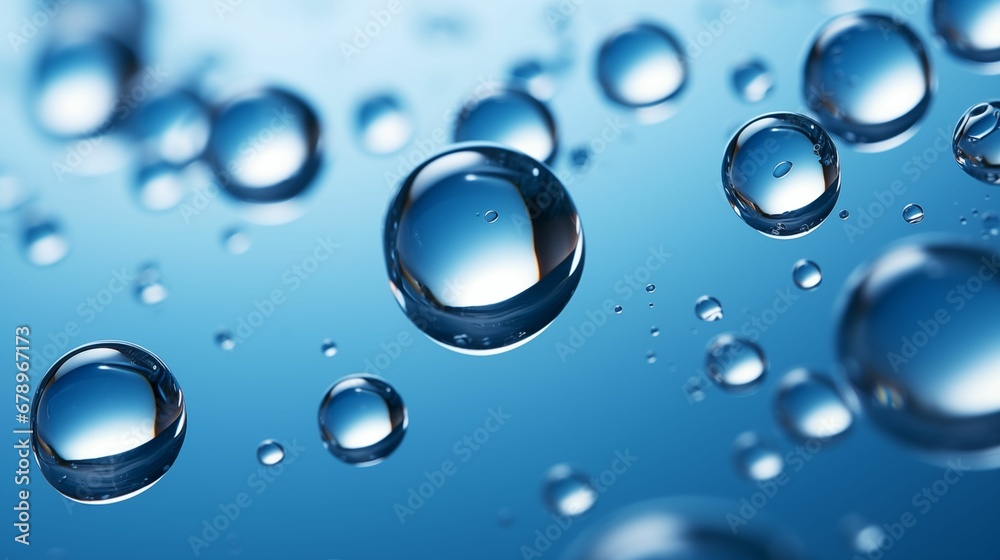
{"x":161,"y":186}
{"x":43,"y":240}
{"x":382,"y":124}
{"x":534,"y":77}
{"x":753,"y":81}
{"x":512,"y":118}
{"x":567,"y":491}
{"x":756,"y":459}
{"x":640,"y":66}
{"x":172,"y":127}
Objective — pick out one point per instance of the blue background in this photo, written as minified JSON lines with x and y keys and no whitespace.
{"x":656,"y":186}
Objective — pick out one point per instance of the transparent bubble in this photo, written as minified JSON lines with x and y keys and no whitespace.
{"x":869,"y":79}
{"x":650,"y":288}
{"x":109,"y":420}
{"x":567,"y":491}
{"x":362,"y":420}
{"x":807,"y":274}
{"x":534,"y":77}
{"x":809,"y":405}
{"x":225,"y":340}
{"x":918,"y":341}
{"x":329,"y":348}
{"x":969,"y":28}
{"x":708,"y":309}
{"x":382,"y":125}
{"x":642,"y":65}
{"x":991,"y":223}
{"x":511,"y":118}
{"x":172,"y":127}
{"x":650,"y":357}
{"x":580,"y":157}
{"x":473,"y":286}
{"x":43,"y":241}
{"x":654,"y":331}
{"x":976,"y":142}
{"x":77,"y":85}
{"x":734,"y":363}
{"x":264,"y":146}
{"x":13,"y":193}
{"x":149,"y":288}
{"x":619,"y":309}
{"x":753,"y":81}
{"x":161,"y":186}
{"x":781,"y":174}
{"x":685,"y":528}
{"x":844,"y":214}
{"x":755,"y":458}
{"x":270,"y":453}
{"x":236,"y":241}
{"x":913,"y":213}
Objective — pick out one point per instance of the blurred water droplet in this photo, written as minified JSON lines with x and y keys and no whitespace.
{"x":172,"y":127}
{"x":43,"y":241}
{"x":642,"y":65}
{"x":236,"y":241}
{"x":511,"y":118}
{"x":734,"y":362}
{"x":968,"y":28}
{"x":809,"y":405}
{"x":329,"y":348}
{"x":382,"y":125}
{"x":756,"y":459}
{"x":568,"y":492}
{"x":752,"y":81}
{"x":149,"y":288}
{"x":224,"y":340}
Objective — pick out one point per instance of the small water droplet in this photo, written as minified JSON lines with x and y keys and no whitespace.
{"x":568,"y":492}
{"x":734,"y":362}
{"x":913,"y":213}
{"x":511,"y":118}
{"x":43,"y":241}
{"x":650,"y":288}
{"x":752,"y":81}
{"x":236,"y":241}
{"x":149,"y":288}
{"x":270,"y":453}
{"x":806,"y":274}
{"x":642,"y":65}
{"x":708,"y":309}
{"x":329,"y":348}
{"x":382,"y":124}
{"x":782,"y":169}
{"x":618,"y":310}
{"x":755,"y":458}
{"x":650,"y":357}
{"x":809,"y":405}
{"x":654,"y":331}
{"x":362,"y":420}
{"x":844,"y":214}
{"x":491,"y":216}
{"x":224,"y":340}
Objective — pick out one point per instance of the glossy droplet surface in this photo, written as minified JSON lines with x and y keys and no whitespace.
{"x":806,"y":274}
{"x":264,"y":146}
{"x":383,"y":125}
{"x":969,"y":28}
{"x":707,"y":308}
{"x":362,"y":420}
{"x":224,"y":340}
{"x":756,"y":459}
{"x":808,"y":405}
{"x":781,"y":174}
{"x":270,"y":453}
{"x":641,"y":66}
{"x":752,"y":81}
{"x":172,"y":127}
{"x":512,"y":118}
{"x":844,"y":214}
{"x":108,"y":421}
{"x":921,"y":349}
{"x":43,"y":241}
{"x":976,"y":142}
{"x":329,"y":348}
{"x":474,"y":286}
{"x":913,"y":214}
{"x":868,"y":79}
{"x":568,"y":491}
{"x":734,"y":362}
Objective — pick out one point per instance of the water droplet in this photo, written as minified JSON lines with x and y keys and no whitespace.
{"x":763,"y":186}
{"x":925,"y":369}
{"x":568,"y":492}
{"x":694,"y":388}
{"x":161,"y":186}
{"x":806,"y":274}
{"x":734,"y":363}
{"x":108,"y":422}
{"x":497,"y":285}
{"x":618,"y":310}
{"x":236,"y":241}
{"x":225,"y":340}
{"x":270,"y":453}
{"x":962,"y":220}
{"x":976,"y":142}
{"x":329,"y":348}
{"x":534,"y":77}
{"x":708,"y":309}
{"x":650,"y":288}
{"x":968,"y":28}
{"x":913,"y":213}
{"x":265,"y":145}
{"x":654,"y":331}
{"x":78,"y":84}
{"x":149,"y":288}
{"x":650,"y":357}
{"x":869,"y":79}
{"x":362,"y":420}
{"x":491,"y":216}
{"x":809,"y":405}
{"x":650,"y":305}
{"x":752,"y":81}
{"x":991,"y":223}
{"x":512,"y":118}
{"x":13,"y":194}
{"x":382,"y":125}
{"x":579,"y":157}
{"x":865,"y":537}
{"x":172,"y":127}
{"x":844,"y":214}
{"x":642,"y":65}
{"x":755,"y":458}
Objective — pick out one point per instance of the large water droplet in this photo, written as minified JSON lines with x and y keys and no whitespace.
{"x":109,"y":420}
{"x":707,"y":308}
{"x":809,"y":405}
{"x":149,"y":288}
{"x":755,"y":458}
{"x":362,"y":420}
{"x":78,"y":84}
{"x":265,"y":145}
{"x":913,"y":213}
{"x":806,"y":274}
{"x":382,"y":125}
{"x":781,"y":174}
{"x":752,"y":81}
{"x":568,"y":492}
{"x":919,"y":342}
{"x":734,"y":363}
{"x":43,"y":241}
{"x":869,"y":79}
{"x":270,"y":453}
{"x":172,"y":127}
{"x":976,"y":142}
{"x":474,"y":286}
{"x":512,"y":118}
{"x":969,"y":28}
{"x":642,"y":65}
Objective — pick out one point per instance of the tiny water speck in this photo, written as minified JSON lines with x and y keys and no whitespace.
{"x":650,"y":288}
{"x":618,"y":310}
{"x":491,"y":216}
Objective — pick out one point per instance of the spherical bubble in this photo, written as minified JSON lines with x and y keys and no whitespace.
{"x":642,"y":65}
{"x":809,"y":405}
{"x":752,"y":81}
{"x":172,"y":127}
{"x":806,"y":274}
{"x":329,"y":348}
{"x":108,"y":421}
{"x":471,"y":285}
{"x":735,"y":363}
{"x":708,"y":309}
{"x":225,"y":340}
{"x":920,"y":345}
{"x":756,"y":459}
{"x":534,"y":77}
{"x":976,"y":142}
{"x":969,"y":28}
{"x":236,"y":241}
{"x":512,"y":118}
{"x":781,"y":174}
{"x":362,"y":420}
{"x":270,"y":453}
{"x":567,"y":491}
{"x":913,"y":213}
{"x":149,"y":288}
{"x":43,"y":240}
{"x":869,"y":79}
{"x":264,"y":146}
{"x":382,"y":125}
